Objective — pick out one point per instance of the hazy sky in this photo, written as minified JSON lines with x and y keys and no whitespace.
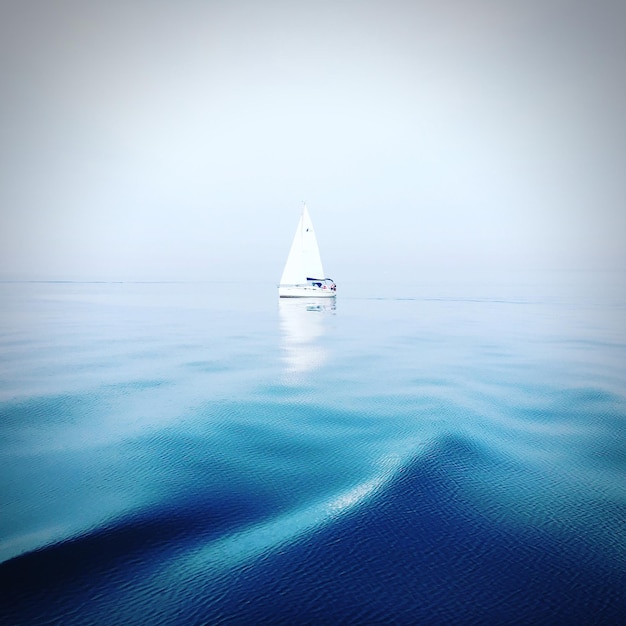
{"x":177,"y":139}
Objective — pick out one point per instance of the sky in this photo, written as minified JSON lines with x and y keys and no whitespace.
{"x":162,"y":140}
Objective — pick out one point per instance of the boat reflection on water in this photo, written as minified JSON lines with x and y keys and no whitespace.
{"x":304,"y":322}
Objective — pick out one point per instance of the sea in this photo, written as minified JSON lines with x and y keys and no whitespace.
{"x":440,"y":451}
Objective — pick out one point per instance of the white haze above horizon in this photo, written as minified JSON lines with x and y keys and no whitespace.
{"x":177,"y":140}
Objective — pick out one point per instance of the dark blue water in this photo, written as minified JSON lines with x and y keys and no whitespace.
{"x":448,"y":451}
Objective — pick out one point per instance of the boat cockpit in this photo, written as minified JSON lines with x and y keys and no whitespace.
{"x":322,"y":283}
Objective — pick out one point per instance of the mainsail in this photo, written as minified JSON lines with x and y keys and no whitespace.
{"x":304,"y":260}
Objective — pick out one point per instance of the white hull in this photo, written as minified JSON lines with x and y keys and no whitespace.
{"x":305,"y":291}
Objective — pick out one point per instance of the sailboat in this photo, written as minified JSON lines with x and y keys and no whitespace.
{"x":303,"y":276}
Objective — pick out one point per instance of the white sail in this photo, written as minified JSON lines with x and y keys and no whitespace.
{"x":304,"y":260}
{"x":303,"y":276}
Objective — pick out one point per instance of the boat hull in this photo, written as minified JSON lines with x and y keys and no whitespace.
{"x":305,"y":292}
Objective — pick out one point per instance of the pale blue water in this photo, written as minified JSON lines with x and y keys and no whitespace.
{"x":448,"y":451}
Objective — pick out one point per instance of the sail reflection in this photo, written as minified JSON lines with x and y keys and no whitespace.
{"x":303,"y":323}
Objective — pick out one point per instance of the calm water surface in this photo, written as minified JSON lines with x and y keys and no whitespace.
{"x":200,"y":453}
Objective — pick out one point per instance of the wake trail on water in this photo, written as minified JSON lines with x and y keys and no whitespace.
{"x":180,"y":541}
{"x":417,"y":510}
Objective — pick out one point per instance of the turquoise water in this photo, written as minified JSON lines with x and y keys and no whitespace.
{"x":446,"y":451}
